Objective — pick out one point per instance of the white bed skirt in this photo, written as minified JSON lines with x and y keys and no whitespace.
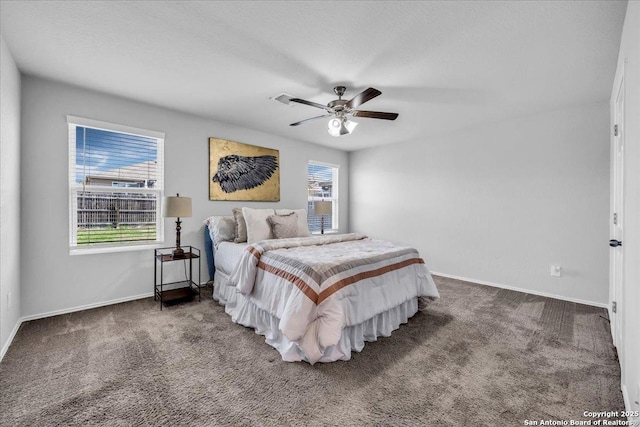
{"x":244,"y":312}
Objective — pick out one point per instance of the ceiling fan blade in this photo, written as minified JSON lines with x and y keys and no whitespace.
{"x":375,"y":114}
{"x":312,"y":104}
{"x":309,"y":120}
{"x":362,"y":97}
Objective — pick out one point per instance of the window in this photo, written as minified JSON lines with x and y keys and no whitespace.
{"x":322,"y":185}
{"x":115,"y":186}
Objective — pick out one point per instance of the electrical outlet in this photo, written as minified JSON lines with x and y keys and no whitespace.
{"x":556,"y":270}
{"x":9,"y":303}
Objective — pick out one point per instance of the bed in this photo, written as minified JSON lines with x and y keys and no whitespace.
{"x":317,"y":299}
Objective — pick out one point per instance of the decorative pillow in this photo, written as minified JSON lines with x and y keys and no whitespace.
{"x":303,"y":226}
{"x":221,"y":229}
{"x":284,"y":226}
{"x":257,"y":226}
{"x":240,"y":226}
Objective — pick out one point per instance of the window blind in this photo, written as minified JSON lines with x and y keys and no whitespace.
{"x":116,"y":183}
{"x":322,"y":181}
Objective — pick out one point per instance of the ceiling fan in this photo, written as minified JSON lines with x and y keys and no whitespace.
{"x":340,"y":109}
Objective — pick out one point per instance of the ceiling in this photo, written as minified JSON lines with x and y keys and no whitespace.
{"x":441,"y":65}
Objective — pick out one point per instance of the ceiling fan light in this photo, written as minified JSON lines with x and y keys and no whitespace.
{"x":349,"y":125}
{"x":334,"y":132}
{"x":335,"y":125}
{"x":338,"y":127}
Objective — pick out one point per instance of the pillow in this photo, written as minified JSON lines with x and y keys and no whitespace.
{"x":303,"y":227}
{"x":240,"y":226}
{"x":257,"y":226}
{"x":221,"y":229}
{"x":284,"y":226}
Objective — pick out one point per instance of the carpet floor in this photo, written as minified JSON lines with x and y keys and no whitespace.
{"x":479,"y":356}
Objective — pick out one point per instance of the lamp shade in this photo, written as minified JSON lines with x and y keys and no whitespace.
{"x":176,"y":207}
{"x":324,"y":207}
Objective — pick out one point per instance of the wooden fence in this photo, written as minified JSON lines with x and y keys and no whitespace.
{"x":116,"y":209}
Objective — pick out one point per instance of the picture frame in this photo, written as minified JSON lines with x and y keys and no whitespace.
{"x":243,"y":172}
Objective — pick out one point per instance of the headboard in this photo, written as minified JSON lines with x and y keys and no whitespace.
{"x":208,"y":249}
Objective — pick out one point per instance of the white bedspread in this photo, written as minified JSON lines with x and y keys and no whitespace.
{"x":317,"y":286}
{"x":227,"y":255}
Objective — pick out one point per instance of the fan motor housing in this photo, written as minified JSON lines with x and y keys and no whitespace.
{"x":338,"y":104}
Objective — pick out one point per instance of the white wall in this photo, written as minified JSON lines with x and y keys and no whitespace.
{"x":9,"y":197}
{"x":629,"y":352}
{"x":52,"y":280}
{"x":499,"y":202}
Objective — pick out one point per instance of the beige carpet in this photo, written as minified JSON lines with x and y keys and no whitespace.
{"x":478,"y":356}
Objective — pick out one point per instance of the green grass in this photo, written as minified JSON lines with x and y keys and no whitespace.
{"x":111,"y":234}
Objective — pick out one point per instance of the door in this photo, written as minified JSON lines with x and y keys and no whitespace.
{"x":616,"y":255}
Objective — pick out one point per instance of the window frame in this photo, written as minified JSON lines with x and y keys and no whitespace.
{"x":335,"y":221}
{"x":93,"y":248}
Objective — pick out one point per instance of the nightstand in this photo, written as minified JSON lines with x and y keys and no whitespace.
{"x":181,"y":289}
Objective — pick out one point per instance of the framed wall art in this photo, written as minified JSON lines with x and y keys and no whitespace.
{"x":243,"y":172}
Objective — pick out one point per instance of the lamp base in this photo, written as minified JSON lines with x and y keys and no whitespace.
{"x":178,"y":253}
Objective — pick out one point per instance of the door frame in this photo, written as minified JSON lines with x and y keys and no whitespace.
{"x":616,"y":224}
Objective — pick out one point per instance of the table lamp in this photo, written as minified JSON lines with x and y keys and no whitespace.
{"x":322,"y":208}
{"x":177,"y":207}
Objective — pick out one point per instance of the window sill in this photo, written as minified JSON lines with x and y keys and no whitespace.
{"x":109,"y":249}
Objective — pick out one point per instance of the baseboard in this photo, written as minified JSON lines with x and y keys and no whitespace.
{"x":10,"y":339}
{"x":85,"y":307}
{"x":528,"y":291}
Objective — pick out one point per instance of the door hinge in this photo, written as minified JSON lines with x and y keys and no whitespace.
{"x":615,"y":219}
{"x":614,"y":306}
{"x":615,"y":130}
